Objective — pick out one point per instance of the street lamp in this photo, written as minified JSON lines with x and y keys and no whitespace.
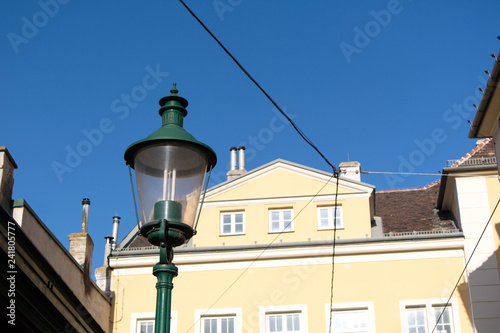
{"x":170,"y":167}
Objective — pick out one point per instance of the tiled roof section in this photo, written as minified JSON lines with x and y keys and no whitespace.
{"x":139,"y":241}
{"x":411,"y":210}
{"x":484,"y":149}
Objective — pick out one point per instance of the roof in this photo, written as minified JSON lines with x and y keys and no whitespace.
{"x":411,"y":210}
{"x":487,"y":115}
{"x":481,"y":158}
{"x":481,"y":154}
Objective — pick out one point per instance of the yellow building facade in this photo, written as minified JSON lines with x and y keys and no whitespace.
{"x":270,"y":245}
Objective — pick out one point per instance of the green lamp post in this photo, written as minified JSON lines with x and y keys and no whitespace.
{"x":170,"y":167}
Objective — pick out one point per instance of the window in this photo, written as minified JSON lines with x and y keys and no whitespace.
{"x":415,"y":318}
{"x":283,"y":319}
{"x":145,"y":326}
{"x":356,"y":317}
{"x":444,"y":323}
{"x":218,"y":321}
{"x":283,"y":322}
{"x":280,"y":220}
{"x":350,"y":320}
{"x":424,"y":316}
{"x":144,"y":322}
{"x":217,"y":324}
{"x":232,"y":223}
{"x":326,"y":216}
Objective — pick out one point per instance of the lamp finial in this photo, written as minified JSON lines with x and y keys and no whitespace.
{"x":174,"y":90}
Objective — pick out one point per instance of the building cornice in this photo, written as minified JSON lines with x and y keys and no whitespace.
{"x":386,"y":245}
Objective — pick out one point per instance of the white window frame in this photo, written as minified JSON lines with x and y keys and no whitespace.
{"x":140,"y":321}
{"x":429,"y":305}
{"x":331,"y":212}
{"x":137,"y":317}
{"x":281,"y":227}
{"x":352,"y":306}
{"x":300,"y":309}
{"x":233,"y":223}
{"x":223,"y":312}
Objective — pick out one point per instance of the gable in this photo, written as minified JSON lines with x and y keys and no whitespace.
{"x":281,"y":179}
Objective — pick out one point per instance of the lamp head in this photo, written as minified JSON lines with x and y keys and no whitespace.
{"x":170,"y":167}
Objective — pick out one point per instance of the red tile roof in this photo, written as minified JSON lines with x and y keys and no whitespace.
{"x":411,"y":210}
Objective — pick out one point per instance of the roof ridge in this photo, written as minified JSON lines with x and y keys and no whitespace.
{"x":480,"y":144}
{"x":412,"y":189}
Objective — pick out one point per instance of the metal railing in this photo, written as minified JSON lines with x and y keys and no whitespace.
{"x":471,"y":162}
{"x":417,"y":233}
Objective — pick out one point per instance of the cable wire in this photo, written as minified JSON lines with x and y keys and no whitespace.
{"x":333,"y":254}
{"x":422,"y":174}
{"x":267,"y":247}
{"x":297,"y":129}
{"x":133,"y":195}
{"x":465,"y":268}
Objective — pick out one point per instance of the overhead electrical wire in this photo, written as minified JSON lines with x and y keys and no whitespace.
{"x":335,"y":173}
{"x":466,"y":265}
{"x":333,"y":254}
{"x":422,"y":174}
{"x":269,"y":245}
{"x":301,"y":133}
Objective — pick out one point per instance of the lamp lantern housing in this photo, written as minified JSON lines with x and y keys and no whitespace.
{"x":170,"y":167}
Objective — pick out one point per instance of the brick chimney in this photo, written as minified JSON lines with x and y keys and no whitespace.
{"x":7,"y":166}
{"x":237,"y":154}
{"x":80,"y":244}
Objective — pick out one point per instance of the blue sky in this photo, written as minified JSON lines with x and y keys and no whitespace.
{"x":387,"y":83}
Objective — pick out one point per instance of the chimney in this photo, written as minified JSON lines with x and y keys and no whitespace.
{"x":241,"y":151}
{"x":85,"y":215}
{"x":234,"y":171}
{"x":233,"y":158}
{"x":80,"y":244}
{"x":107,"y":249}
{"x":7,"y":166}
{"x":350,"y":170}
{"x":116,"y":224}
{"x":103,"y":274}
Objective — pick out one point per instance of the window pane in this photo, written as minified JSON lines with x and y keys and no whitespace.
{"x":238,"y":217}
{"x":238,"y":227}
{"x":226,"y":229}
{"x":416,"y":320}
{"x":272,"y":324}
{"x":287,"y":215}
{"x":146,"y":327}
{"x":213,"y":326}
{"x":411,"y":318}
{"x":444,"y":324}
{"x":279,"y":323}
{"x":223,"y":325}
{"x":420,"y":317}
{"x":206,"y":327}
{"x":289,"y":323}
{"x":275,"y":216}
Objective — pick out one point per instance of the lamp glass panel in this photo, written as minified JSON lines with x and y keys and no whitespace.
{"x":172,"y":171}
